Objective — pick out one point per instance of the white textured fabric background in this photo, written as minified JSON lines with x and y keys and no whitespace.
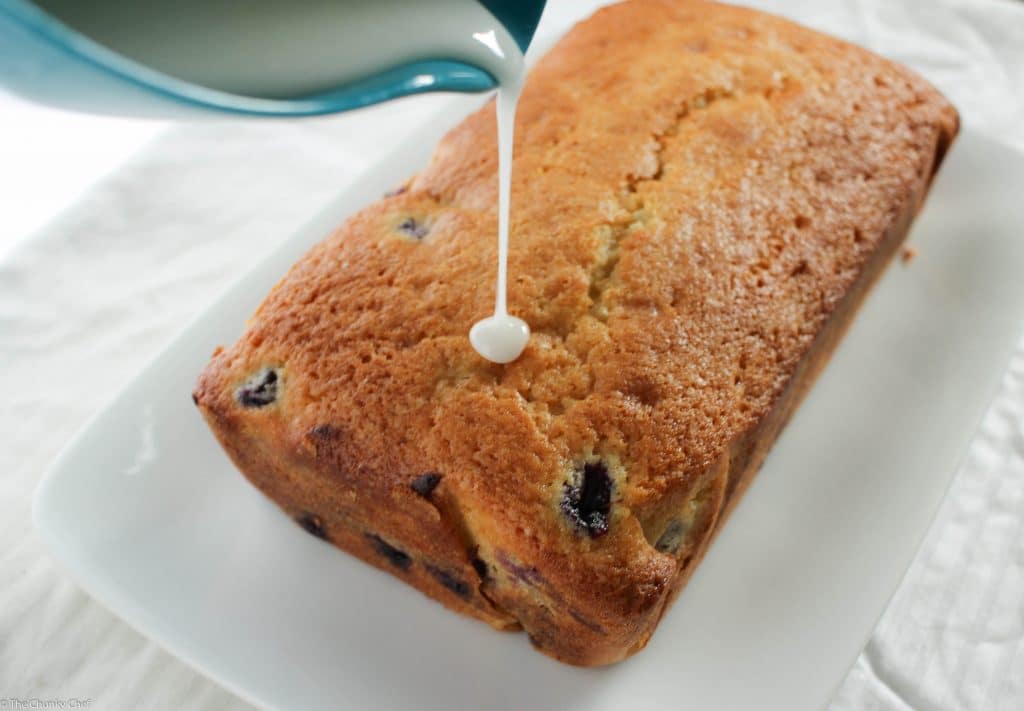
{"x":91,"y":298}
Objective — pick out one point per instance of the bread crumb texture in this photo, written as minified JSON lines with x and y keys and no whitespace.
{"x":698,"y":191}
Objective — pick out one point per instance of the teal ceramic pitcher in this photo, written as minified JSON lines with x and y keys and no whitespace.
{"x":168,"y":58}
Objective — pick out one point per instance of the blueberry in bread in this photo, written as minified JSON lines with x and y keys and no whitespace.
{"x":702,"y":196}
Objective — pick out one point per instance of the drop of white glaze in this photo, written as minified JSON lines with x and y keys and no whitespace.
{"x":500,"y":338}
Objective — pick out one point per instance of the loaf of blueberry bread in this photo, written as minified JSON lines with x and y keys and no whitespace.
{"x":702,"y":196}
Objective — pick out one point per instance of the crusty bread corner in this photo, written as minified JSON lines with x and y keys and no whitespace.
{"x":702,"y":195}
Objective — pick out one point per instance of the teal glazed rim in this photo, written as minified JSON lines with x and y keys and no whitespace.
{"x":24,"y":26}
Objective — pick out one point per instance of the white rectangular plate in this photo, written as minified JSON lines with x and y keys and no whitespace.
{"x":150,"y":516}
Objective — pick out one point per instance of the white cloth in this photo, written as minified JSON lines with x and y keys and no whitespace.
{"x":90,"y":299}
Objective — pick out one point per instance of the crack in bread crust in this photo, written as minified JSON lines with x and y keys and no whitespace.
{"x":612,"y":234}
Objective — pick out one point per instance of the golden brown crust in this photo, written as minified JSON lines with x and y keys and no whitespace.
{"x":702,"y":194}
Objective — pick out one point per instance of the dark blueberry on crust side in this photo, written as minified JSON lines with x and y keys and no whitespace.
{"x":451,"y":581}
{"x":592,"y":626}
{"x":323,"y":432}
{"x":523,"y":573}
{"x":411,"y":228}
{"x":399,"y":559}
{"x":587,"y":500}
{"x":481,"y":568}
{"x":670,"y":540}
{"x":394,"y":192}
{"x":260,"y":390}
{"x":425,"y":484}
{"x":195,"y":400}
{"x":314,"y":525}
